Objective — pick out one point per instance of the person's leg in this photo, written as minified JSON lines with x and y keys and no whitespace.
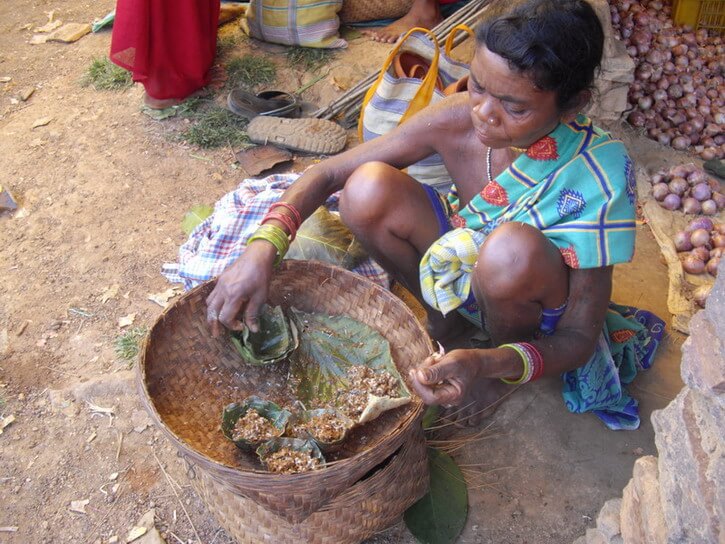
{"x":393,"y":217}
{"x":423,"y":13}
{"x":519,"y":272}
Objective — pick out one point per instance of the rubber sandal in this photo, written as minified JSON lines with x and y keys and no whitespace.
{"x":274,"y":103}
{"x":317,"y":136}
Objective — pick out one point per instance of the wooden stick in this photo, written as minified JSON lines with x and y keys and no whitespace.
{"x":171,"y":483}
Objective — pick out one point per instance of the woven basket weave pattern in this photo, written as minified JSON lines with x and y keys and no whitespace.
{"x":186,"y":377}
{"x":357,"y":11}
{"x":369,"y":506}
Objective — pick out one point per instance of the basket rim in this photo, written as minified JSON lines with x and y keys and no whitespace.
{"x":395,"y":437}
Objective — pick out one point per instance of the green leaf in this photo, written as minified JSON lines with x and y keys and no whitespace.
{"x":439,"y":517}
{"x":194,"y":217}
{"x":329,"y":346}
{"x":430,"y":416}
{"x":276,"y":338}
{"x":324,"y":237}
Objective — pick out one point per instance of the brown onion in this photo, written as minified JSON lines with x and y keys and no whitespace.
{"x":712,"y":265}
{"x":680,"y":143}
{"x":682,"y":241}
{"x":700,"y":237}
{"x":700,"y":295}
{"x":693,"y":265}
{"x":709,"y":207}
{"x":691,"y":205}
{"x":701,"y":253}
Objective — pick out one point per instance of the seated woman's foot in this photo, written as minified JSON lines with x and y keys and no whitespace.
{"x":160,"y":103}
{"x":423,"y":13}
{"x":478,"y":406}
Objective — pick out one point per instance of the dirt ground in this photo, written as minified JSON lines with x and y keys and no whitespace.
{"x":103,"y":189}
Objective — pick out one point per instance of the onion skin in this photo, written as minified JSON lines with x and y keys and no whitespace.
{"x":700,"y":238}
{"x":704,"y":223}
{"x":700,"y":295}
{"x":672,"y":202}
{"x":691,"y":206}
{"x":660,"y":191}
{"x":693,"y":265}
{"x":709,"y":207}
{"x":719,"y":199}
{"x":718,"y":240}
{"x":701,"y":192}
{"x":701,"y":253}
{"x":682,"y":241}
{"x":678,"y":186}
{"x":712,"y":265}
{"x":717,"y":252}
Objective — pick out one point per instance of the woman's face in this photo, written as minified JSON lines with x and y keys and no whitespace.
{"x":506,"y":107}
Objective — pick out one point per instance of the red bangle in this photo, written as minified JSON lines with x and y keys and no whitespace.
{"x":291,"y":209}
{"x":286,"y":220}
{"x":537,"y":361}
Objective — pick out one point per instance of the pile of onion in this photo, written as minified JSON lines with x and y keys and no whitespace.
{"x":701,"y":246}
{"x":687,"y":187}
{"x":678,"y":91}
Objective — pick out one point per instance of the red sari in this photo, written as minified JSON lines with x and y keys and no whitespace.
{"x":168,"y":45}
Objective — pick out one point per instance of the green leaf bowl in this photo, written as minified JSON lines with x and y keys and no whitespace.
{"x":268,"y":410}
{"x":297,"y":444}
{"x":276,"y":339}
{"x":307,"y":415}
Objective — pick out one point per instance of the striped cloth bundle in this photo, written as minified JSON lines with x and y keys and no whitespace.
{"x":309,"y":23}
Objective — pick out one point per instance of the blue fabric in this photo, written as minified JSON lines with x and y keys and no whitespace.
{"x":627,"y":345}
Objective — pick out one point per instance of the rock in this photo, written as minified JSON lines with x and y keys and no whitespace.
{"x":140,"y":420}
{"x":608,"y":518}
{"x":715,"y":310}
{"x":4,"y":343}
{"x":79,"y":506}
{"x":37,"y":39}
{"x":151,"y":534}
{"x":703,"y":364}
{"x":69,"y":33}
{"x":41,"y":122}
{"x":26,"y":93}
{"x":5,"y":79}
{"x":642,"y":520}
{"x":7,"y":202}
{"x":595,"y":536}
{"x":689,"y":438}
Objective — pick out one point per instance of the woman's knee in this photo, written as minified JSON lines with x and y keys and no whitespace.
{"x":367,"y":193}
{"x":517,"y":260}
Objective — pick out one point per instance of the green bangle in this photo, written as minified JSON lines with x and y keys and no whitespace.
{"x":275,"y":236}
{"x":524,"y":359}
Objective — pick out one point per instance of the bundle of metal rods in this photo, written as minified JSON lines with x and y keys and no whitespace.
{"x":348,"y":105}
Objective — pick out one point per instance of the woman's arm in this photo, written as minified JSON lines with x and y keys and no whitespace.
{"x":243,"y":286}
{"x":449,"y":379}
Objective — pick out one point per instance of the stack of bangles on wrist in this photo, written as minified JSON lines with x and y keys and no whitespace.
{"x":276,"y":235}
{"x":532,"y":359}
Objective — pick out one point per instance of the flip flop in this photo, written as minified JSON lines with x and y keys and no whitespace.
{"x":271,"y":103}
{"x":310,"y":135}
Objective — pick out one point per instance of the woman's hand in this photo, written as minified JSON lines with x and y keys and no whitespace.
{"x":242,"y":287}
{"x":447,"y":380}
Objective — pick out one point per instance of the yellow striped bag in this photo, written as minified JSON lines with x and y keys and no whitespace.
{"x":391,"y":99}
{"x":309,"y":23}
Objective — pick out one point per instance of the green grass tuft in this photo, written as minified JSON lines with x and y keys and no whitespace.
{"x":310,"y":58}
{"x":103,"y":75}
{"x":229,"y":40}
{"x":250,"y":71}
{"x":214,"y":126}
{"x":126,"y":345}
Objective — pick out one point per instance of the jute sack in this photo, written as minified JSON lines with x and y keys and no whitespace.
{"x":392,"y":99}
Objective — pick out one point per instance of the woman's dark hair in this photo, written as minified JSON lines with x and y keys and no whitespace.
{"x":557,"y":42}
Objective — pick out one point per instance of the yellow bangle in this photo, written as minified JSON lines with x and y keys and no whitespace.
{"x":275,"y":236}
{"x":526,"y":374}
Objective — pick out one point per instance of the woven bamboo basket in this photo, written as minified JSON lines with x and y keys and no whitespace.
{"x":357,"y":11}
{"x":372,"y":504}
{"x":186,"y":377}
